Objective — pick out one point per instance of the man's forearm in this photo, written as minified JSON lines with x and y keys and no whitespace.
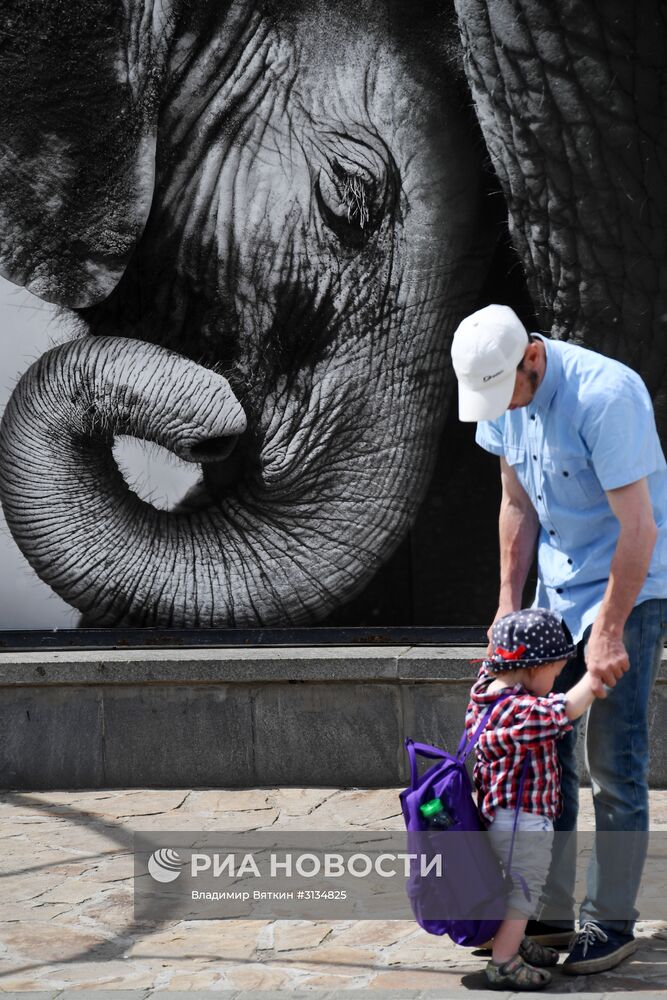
{"x":518,"y":529}
{"x":606,"y":656}
{"x":629,"y":567}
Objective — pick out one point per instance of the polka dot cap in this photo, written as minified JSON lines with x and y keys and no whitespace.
{"x":529,"y":638}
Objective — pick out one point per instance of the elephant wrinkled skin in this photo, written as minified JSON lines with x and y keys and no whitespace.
{"x":268,"y":220}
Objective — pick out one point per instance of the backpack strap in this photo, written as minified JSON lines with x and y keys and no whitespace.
{"x":522,"y":782}
{"x":424,"y":750}
{"x":464,"y":749}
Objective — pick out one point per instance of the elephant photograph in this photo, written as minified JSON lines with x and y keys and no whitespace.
{"x":258,"y":224}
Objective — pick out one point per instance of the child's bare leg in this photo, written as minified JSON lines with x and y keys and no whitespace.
{"x":509,"y":936}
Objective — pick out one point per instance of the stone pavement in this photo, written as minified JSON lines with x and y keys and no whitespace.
{"x":66,"y":917}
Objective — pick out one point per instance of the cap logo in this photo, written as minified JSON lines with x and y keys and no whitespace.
{"x":487,"y":378}
{"x":514,"y":654}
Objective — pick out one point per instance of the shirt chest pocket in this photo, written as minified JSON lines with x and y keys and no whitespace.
{"x":515,"y":455}
{"x":572,"y":480}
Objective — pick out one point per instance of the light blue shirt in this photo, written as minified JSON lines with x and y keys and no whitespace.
{"x":589,"y":428}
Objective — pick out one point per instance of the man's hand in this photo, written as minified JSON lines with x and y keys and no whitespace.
{"x":606,"y":662}
{"x":500,"y":613}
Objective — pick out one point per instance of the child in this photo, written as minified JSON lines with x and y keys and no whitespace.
{"x":529,"y":650}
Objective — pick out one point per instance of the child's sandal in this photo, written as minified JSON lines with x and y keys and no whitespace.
{"x":538,"y":954}
{"x":515,"y":974}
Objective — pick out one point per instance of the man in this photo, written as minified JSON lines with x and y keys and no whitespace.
{"x":584,"y":478}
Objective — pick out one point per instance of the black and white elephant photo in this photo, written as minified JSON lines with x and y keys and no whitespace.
{"x":261,"y":222}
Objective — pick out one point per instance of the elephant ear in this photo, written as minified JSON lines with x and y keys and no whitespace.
{"x":77,"y":151}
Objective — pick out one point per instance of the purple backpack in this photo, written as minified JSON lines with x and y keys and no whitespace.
{"x":471,"y":893}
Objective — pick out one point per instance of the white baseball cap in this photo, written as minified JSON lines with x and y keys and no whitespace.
{"x":486,"y":349}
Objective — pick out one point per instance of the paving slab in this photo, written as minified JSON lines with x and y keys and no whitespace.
{"x":470,"y":994}
{"x":67,"y":927}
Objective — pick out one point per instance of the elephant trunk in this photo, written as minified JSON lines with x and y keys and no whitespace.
{"x":263,"y":552}
{"x":68,"y":507}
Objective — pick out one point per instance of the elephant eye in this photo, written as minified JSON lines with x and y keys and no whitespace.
{"x":351,"y":201}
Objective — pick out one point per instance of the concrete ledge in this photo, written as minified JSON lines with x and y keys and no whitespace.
{"x":238,"y":718}
{"x":207,"y":666}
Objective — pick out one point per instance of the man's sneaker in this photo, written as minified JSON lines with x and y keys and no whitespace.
{"x":549,"y":934}
{"x":596,"y":950}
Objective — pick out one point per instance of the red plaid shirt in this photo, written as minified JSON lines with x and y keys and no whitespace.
{"x":523,"y":723}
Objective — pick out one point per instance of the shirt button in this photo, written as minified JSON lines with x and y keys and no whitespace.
{"x":565,"y":473}
{"x":532,"y":416}
{"x":534,"y":458}
{"x":552,"y":532}
{"x":570,"y":561}
{"x":559,"y":590}
{"x":539,"y":496}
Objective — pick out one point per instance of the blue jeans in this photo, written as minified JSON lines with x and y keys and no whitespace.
{"x":617,"y":757}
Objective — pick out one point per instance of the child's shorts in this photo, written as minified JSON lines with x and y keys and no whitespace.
{"x":533,"y":844}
